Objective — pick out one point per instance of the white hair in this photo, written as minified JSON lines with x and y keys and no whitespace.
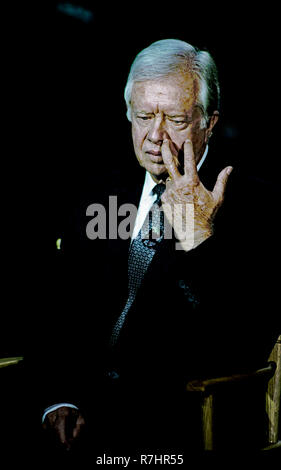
{"x":168,"y":56}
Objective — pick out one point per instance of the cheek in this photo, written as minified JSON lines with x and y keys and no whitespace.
{"x":138,"y":139}
{"x":138,"y":136}
{"x":177,"y":140}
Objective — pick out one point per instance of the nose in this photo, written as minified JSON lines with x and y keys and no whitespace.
{"x":156,"y":132}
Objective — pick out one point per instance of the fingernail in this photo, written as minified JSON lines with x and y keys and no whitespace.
{"x":188,"y":141}
{"x":229,"y":170}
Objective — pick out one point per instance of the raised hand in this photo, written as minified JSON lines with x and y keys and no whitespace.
{"x":194,"y":225}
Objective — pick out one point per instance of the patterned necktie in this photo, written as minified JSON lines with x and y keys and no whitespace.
{"x":141,"y":253}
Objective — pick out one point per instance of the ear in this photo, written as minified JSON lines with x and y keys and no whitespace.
{"x":212,"y":122}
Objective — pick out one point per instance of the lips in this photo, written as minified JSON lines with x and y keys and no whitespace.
{"x":155,"y":153}
{"x":155,"y":156}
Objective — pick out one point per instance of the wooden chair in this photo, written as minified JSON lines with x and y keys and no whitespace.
{"x":10,"y":361}
{"x":210,"y":387}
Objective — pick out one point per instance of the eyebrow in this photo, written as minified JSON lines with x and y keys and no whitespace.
{"x":143,"y":112}
{"x":183,"y":115}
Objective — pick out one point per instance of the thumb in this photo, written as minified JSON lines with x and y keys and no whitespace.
{"x":220,"y":186}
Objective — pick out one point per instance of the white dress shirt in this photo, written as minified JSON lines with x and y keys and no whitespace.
{"x":146,"y":201}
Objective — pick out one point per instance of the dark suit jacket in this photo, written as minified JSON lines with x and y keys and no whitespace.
{"x":203,"y":313}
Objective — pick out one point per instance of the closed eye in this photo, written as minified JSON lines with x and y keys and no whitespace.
{"x":144,"y":118}
{"x":177,"y":122}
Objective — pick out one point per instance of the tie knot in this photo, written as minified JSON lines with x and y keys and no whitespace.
{"x":158,"y":190}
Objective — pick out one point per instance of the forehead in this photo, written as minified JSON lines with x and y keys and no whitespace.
{"x":173,"y":93}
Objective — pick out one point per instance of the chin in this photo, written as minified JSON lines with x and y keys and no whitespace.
{"x":158,"y":171}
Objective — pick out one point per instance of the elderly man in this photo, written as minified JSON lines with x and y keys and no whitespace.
{"x":151,"y":312}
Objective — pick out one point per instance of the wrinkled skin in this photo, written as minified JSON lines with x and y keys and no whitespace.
{"x":66,"y":425}
{"x":166,"y":122}
{"x":188,"y":189}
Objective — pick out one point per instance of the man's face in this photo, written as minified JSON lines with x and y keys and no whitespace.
{"x":165,"y":109}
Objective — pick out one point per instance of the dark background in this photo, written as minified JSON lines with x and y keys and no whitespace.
{"x":87,"y":64}
{"x":68,"y":63}
{"x":86,"y":61}
{"x":63,"y":72}
{"x":64,"y":69}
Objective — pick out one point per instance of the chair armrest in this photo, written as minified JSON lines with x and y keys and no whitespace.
{"x":209,"y":384}
{"x":10,"y":361}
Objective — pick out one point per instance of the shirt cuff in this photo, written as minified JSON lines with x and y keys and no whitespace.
{"x":55,"y":407}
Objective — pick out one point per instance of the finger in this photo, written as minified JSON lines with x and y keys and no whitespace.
{"x":80,"y":423}
{"x":169,"y":161}
{"x":61,"y":431}
{"x":190,"y":169}
{"x":220,"y":186}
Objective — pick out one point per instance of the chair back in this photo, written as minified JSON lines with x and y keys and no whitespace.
{"x":273,"y":395}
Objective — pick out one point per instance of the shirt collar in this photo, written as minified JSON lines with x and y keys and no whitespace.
{"x":203,"y":158}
